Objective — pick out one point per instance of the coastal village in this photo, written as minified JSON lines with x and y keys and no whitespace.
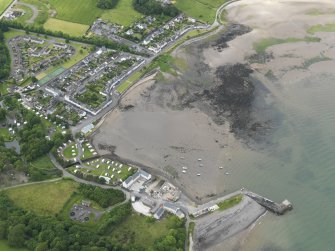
{"x":69,"y":86}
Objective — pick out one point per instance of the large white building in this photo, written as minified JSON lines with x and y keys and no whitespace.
{"x":131,"y":179}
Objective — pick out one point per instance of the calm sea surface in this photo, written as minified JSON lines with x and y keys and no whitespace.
{"x":298,"y":164}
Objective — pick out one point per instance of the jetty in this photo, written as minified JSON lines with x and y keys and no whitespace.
{"x":277,"y":208}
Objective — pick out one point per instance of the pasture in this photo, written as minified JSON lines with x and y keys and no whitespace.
{"x":43,"y":198}
{"x":203,"y":10}
{"x":83,"y":12}
{"x":66,"y":27}
{"x":77,"y":11}
{"x":4,"y":4}
{"x":123,"y":14}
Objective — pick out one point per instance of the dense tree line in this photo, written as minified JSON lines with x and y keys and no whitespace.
{"x":104,"y":197}
{"x":175,"y":239}
{"x":114,"y":218}
{"x":153,"y":7}
{"x":4,"y":55}
{"x":107,"y":4}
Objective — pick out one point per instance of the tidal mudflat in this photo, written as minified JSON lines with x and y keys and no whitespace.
{"x":270,"y":125}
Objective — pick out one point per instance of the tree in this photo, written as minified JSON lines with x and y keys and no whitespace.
{"x":3,"y":114}
{"x":34,"y":79}
{"x":107,"y":4}
{"x":43,"y":246}
{"x":3,"y":230}
{"x":16,"y":236}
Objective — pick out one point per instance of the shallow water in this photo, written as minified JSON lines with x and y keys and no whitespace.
{"x":297,"y":164}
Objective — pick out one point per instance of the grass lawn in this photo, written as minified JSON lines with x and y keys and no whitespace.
{"x":68,"y":153}
{"x":86,"y":152}
{"x":321,"y":28}
{"x":203,"y":10}
{"x":4,"y":4}
{"x":13,"y":33}
{"x":44,"y":198}
{"x":228,"y":203}
{"x":5,"y":247}
{"x":123,"y":14}
{"x":4,"y":132}
{"x":145,"y":232}
{"x":263,"y":44}
{"x":129,"y":82}
{"x":81,"y":52}
{"x":70,"y":28}
{"x":101,"y":167}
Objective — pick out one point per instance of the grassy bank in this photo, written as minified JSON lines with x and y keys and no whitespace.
{"x":228,"y":203}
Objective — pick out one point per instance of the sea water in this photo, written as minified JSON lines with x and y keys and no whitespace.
{"x":297,"y":163}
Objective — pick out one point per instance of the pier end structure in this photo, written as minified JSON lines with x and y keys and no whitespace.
{"x":277,"y":208}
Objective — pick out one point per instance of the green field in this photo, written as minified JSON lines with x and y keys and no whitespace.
{"x":145,"y":232}
{"x":43,"y":198}
{"x":77,"y":11}
{"x":4,"y":247}
{"x":321,"y":28}
{"x":69,"y":28}
{"x":81,"y":12}
{"x":203,"y":10}
{"x":4,"y":4}
{"x":123,"y":14}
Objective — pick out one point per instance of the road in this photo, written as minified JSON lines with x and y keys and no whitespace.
{"x":34,"y":10}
